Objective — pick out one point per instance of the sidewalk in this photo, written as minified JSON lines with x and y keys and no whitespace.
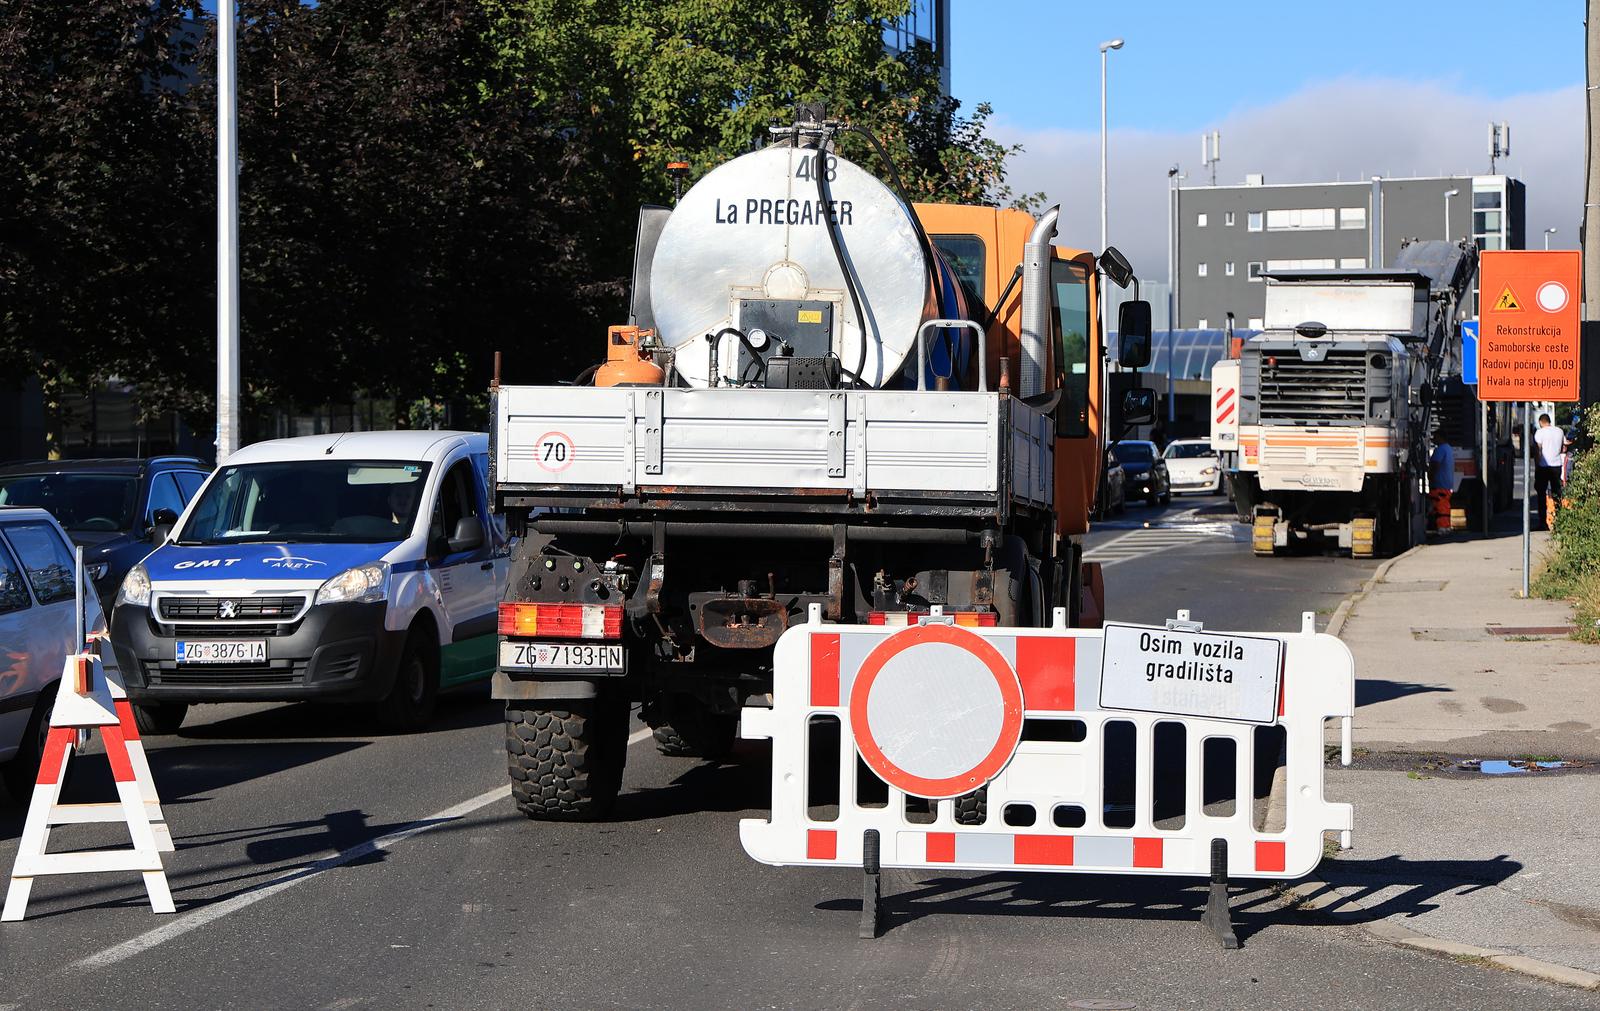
{"x":1491,"y":865}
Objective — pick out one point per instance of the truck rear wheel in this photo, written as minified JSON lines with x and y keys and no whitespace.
{"x":685,"y":727}
{"x":565,"y":756}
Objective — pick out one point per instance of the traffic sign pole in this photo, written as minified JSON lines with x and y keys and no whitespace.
{"x":1527,"y":494}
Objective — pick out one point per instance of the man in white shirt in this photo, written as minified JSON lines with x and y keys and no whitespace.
{"x":1550,"y":446}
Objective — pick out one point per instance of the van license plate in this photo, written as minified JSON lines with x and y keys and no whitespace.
{"x":223,"y":651}
{"x":561,"y":655}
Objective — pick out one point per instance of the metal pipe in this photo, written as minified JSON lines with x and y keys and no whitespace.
{"x":775,"y":531}
{"x":1036,"y":257}
{"x":80,"y":620}
{"x":227,"y":235}
{"x":952,"y":324}
{"x":1527,"y":494}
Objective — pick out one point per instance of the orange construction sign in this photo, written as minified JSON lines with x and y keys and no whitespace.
{"x":1528,"y":333}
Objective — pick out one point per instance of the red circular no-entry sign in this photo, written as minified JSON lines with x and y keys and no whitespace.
{"x":936,"y":711}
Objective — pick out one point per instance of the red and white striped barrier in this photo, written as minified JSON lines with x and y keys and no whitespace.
{"x":886,"y":742}
{"x":88,"y":700}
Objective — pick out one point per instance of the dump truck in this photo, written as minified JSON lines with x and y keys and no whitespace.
{"x":826,"y":397}
{"x":1341,"y":397}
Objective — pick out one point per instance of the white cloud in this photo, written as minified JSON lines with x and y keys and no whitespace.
{"x":1349,"y":129}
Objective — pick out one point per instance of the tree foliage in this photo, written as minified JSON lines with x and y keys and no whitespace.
{"x":422,"y":182}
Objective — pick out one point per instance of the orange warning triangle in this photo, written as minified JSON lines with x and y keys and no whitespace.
{"x":1507,"y":302}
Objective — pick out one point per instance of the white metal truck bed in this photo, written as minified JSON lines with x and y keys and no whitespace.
{"x":624,"y":439}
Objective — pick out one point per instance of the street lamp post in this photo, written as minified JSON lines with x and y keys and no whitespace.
{"x":1105,"y":367}
{"x":1173,"y":180}
{"x":1447,"y":195}
{"x":227,"y":235}
{"x":1547,"y":233}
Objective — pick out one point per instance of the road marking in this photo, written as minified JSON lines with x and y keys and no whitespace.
{"x":210,"y":914}
{"x":1148,"y":540}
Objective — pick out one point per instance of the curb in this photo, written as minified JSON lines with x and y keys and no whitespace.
{"x":1341,"y":614}
{"x":1318,"y":896}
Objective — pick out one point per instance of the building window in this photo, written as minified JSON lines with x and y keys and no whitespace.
{"x":1485,"y":221}
{"x":918,"y":25}
{"x":1200,"y":271}
{"x":1227,"y":268}
{"x":1300,"y":219}
{"x":1253,"y":270}
{"x":1254,"y":223}
{"x":1200,"y":220}
{"x":1485,"y":199}
{"x":1202,"y":323}
{"x":1256,"y":323}
{"x":1352,"y":217}
{"x":1227,"y":218}
{"x":1352,"y":262}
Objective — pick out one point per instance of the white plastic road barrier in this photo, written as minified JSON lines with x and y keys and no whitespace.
{"x":87,"y":700}
{"x":1121,"y":750}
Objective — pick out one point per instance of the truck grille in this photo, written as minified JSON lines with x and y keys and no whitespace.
{"x":209,"y":608}
{"x":1334,"y":389}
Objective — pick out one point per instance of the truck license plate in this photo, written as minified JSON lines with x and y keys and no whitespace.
{"x":562,"y":655}
{"x":223,"y":651}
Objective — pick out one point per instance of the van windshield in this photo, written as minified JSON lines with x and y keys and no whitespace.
{"x":366,"y":501}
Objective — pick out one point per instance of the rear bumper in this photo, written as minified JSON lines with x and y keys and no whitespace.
{"x":337,"y":652}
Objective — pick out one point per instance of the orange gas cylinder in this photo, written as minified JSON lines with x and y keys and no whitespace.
{"x":627,"y":361}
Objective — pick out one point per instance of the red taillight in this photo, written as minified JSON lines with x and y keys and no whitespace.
{"x":967,"y":619}
{"x":561,"y":621}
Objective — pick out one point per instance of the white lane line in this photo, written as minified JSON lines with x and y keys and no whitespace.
{"x":210,"y":914}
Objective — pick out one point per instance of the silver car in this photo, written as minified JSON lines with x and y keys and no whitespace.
{"x":37,"y":627}
{"x":1192,"y":465}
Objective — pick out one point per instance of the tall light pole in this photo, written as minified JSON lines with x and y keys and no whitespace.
{"x":227,"y":235}
{"x":1547,"y":233}
{"x":1173,"y":180}
{"x":1447,"y":195}
{"x":1105,"y":368}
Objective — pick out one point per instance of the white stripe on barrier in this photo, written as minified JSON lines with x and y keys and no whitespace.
{"x":1064,"y":798}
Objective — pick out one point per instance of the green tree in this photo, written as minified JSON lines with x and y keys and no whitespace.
{"x":100,"y":251}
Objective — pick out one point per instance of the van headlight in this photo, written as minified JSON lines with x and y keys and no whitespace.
{"x":135,"y":587}
{"x":364,"y":584}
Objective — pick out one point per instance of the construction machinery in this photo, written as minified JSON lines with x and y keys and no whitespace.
{"x":1341,"y":398}
{"x":826,"y":398}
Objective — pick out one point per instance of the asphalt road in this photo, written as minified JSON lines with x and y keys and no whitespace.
{"x":284,"y":901}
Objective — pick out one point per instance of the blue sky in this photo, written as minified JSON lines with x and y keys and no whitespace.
{"x":1186,"y":65}
{"x":1301,"y":90}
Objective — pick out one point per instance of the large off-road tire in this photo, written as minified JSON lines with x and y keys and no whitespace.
{"x":409,"y":705}
{"x":684,"y":727}
{"x":155,"y":719}
{"x":565,"y":756}
{"x":972,"y":808}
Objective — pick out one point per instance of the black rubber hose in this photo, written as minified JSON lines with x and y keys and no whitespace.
{"x":820,"y":170}
{"x":716,"y":350}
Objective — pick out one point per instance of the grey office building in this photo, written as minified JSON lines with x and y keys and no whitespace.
{"x":1229,"y":235}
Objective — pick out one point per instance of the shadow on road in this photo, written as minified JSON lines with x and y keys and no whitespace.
{"x":1370,"y":691}
{"x":1371,"y":884}
{"x":311,"y":720}
{"x":742,"y":784}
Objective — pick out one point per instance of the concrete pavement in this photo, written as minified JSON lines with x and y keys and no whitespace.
{"x":1452,"y":667}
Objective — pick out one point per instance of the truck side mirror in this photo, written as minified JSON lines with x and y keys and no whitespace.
{"x":468,"y":534}
{"x":1138,"y":406}
{"x":161,"y":523}
{"x":1133,"y":331}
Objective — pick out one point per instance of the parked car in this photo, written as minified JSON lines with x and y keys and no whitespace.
{"x":1192,"y":466}
{"x":1115,"y":499}
{"x":37,"y":625}
{"x":1146,"y":471}
{"x":362,"y":567}
{"x":114,"y":508}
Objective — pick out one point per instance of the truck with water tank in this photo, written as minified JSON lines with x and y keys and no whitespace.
{"x":827,"y":397}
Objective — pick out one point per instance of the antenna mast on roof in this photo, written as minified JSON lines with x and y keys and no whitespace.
{"x":1211,"y":152}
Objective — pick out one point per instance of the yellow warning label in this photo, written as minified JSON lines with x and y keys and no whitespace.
{"x":810,"y":316}
{"x":1507,"y":302}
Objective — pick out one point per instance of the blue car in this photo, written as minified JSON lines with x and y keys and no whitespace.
{"x":117,"y":509}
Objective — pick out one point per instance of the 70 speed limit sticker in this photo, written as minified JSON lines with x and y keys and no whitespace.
{"x":553,"y":451}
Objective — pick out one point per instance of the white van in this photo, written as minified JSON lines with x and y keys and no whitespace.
{"x":358,"y":567}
